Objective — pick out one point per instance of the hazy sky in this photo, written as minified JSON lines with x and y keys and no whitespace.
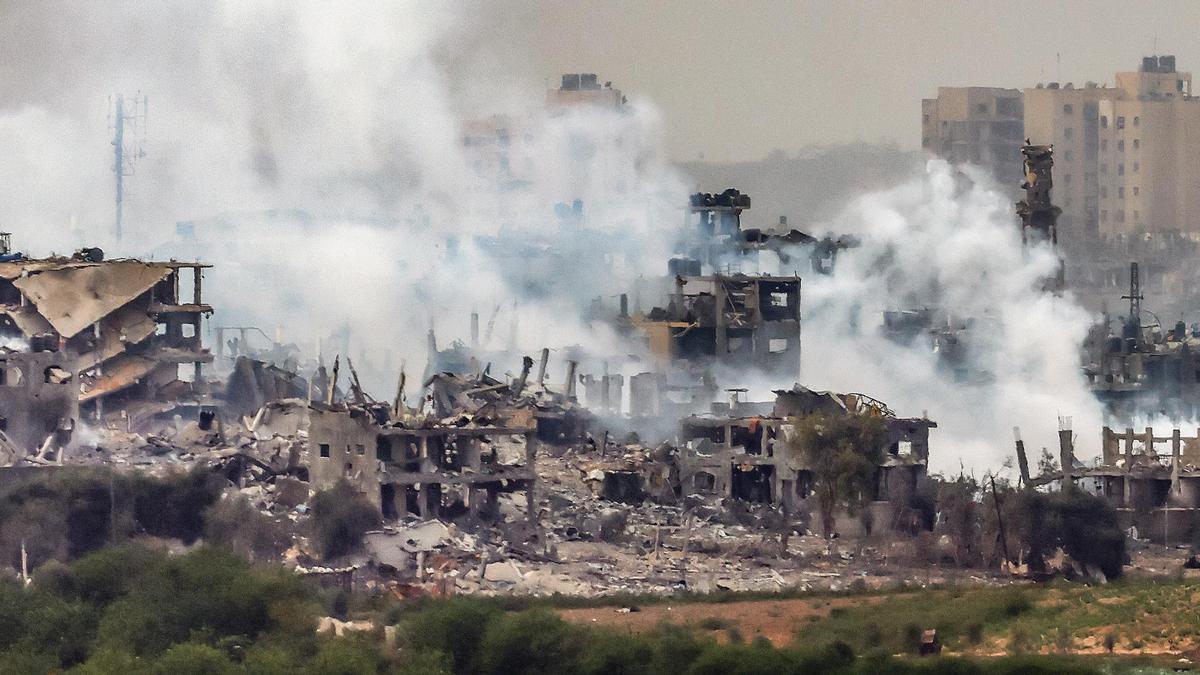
{"x":736,"y":80}
{"x":733,"y":80}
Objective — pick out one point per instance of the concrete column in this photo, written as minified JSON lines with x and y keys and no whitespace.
{"x":720,"y":297}
{"x":1176,"y":453}
{"x":474,"y":501}
{"x":1066,"y":457}
{"x":431,"y":499}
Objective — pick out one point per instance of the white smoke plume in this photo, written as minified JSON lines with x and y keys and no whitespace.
{"x":315,"y":153}
{"x":947,"y":239}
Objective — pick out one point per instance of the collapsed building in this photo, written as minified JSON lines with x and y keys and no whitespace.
{"x":751,"y":452}
{"x":472,"y":439}
{"x":434,"y":472}
{"x":1153,"y":481}
{"x":1144,"y":370}
{"x":93,"y":335}
{"x":745,"y":320}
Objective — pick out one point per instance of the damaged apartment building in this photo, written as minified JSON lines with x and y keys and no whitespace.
{"x":437,"y":471}
{"x":89,"y":335}
{"x":750,"y":451}
{"x":722,"y":316}
{"x":472,"y":440}
{"x":1152,"y":480}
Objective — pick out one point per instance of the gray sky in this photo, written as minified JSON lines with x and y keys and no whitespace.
{"x":733,"y":80}
{"x":736,"y":80}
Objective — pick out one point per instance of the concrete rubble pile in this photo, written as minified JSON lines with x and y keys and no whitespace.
{"x":483,"y":484}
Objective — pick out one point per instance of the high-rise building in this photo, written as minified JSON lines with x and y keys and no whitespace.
{"x":1150,"y":152}
{"x":1127,"y":157}
{"x":976,"y":125}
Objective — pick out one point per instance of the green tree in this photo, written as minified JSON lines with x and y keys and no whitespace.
{"x":455,"y":627}
{"x":536,"y":641}
{"x":192,"y":659}
{"x":1084,"y":526}
{"x":844,"y":453}
{"x":340,"y":517}
{"x":235,"y":524}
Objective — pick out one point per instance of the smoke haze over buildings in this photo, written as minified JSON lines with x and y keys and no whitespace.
{"x":318,"y":155}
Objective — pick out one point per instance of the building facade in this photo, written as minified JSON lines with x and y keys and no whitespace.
{"x":975,"y":125}
{"x":1127,"y":156}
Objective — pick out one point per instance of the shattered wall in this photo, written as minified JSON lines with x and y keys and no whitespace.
{"x":38,"y":398}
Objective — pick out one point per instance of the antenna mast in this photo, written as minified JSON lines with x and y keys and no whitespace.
{"x":1135,"y":294}
{"x":129,"y":129}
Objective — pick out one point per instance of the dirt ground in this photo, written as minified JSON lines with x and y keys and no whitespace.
{"x":775,"y":620}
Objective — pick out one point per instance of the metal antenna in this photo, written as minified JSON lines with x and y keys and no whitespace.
{"x":1135,"y":294}
{"x":129,"y":128}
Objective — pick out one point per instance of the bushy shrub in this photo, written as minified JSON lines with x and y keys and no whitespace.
{"x":340,"y":518}
{"x":235,"y":524}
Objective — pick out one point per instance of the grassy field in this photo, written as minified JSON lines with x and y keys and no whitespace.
{"x":1159,"y":619}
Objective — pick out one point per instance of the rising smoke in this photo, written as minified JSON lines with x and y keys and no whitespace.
{"x":316,"y":156}
{"x":948,"y":239}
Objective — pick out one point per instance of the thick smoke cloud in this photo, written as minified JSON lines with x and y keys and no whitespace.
{"x":948,"y":239}
{"x":315,"y":154}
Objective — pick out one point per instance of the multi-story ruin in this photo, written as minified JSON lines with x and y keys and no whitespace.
{"x":740,"y":319}
{"x":750,"y":452}
{"x":1153,"y":481}
{"x":111,"y":333}
{"x":438,"y":471}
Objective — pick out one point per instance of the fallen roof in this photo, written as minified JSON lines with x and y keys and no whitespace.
{"x":74,"y":297}
{"x":119,"y":373}
{"x":127,"y":326}
{"x":28,"y":321}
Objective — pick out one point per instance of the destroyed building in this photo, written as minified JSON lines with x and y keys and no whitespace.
{"x":1153,"y":481}
{"x":472,"y":439}
{"x":111,"y":333}
{"x":435,"y":472}
{"x":39,"y":402}
{"x":750,"y":453}
{"x":1144,"y":369}
{"x":744,"y":320}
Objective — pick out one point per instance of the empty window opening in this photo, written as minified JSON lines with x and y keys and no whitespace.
{"x":56,"y":375}
{"x":752,"y":484}
{"x":387,"y":498}
{"x":324,"y":449}
{"x":383,"y":448}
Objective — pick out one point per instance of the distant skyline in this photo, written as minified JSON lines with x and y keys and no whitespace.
{"x":735,"y":81}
